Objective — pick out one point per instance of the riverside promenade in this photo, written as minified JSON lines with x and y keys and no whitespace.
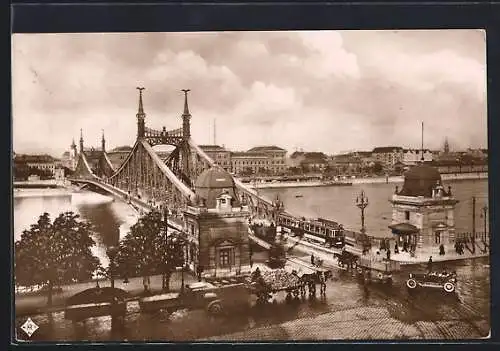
{"x":421,"y":256}
{"x":354,"y":181}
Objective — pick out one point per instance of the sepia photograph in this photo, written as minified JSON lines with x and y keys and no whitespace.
{"x":250,"y":186}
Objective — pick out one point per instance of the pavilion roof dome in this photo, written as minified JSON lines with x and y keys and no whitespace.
{"x":214,"y":177}
{"x":213,"y":182}
{"x":419,"y":180}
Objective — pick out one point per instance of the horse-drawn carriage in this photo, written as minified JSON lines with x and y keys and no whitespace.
{"x":346,"y":259}
{"x":265,"y":285}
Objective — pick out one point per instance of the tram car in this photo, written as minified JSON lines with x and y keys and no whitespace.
{"x":266,"y":232}
{"x":446,"y":281}
{"x":319,"y":231}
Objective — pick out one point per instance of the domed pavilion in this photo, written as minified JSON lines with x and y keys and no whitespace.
{"x":423,"y":211}
{"x":212,"y":183}
{"x":218,"y":227}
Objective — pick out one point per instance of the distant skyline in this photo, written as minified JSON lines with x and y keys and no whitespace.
{"x":327,"y":91}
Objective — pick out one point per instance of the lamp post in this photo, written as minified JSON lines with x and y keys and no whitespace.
{"x":484,"y":215}
{"x":112,"y":251}
{"x":362,"y":203}
{"x":165,"y":226}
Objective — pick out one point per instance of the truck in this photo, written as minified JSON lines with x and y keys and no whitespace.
{"x":200,"y":295}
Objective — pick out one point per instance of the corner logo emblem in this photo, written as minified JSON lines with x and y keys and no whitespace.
{"x":29,"y":327}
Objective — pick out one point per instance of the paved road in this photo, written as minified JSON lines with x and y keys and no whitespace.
{"x":354,"y":310}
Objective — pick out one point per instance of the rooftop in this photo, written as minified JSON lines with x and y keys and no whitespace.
{"x":246,"y":154}
{"x":44,"y":158}
{"x":266,"y":149}
{"x":387,"y":149}
{"x":212,"y":148}
{"x":121,"y":149}
{"x":420,"y":180}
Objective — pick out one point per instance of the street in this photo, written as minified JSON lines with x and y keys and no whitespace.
{"x":350,"y":309}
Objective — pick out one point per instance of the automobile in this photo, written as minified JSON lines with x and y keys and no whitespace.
{"x":437,"y":280}
{"x":95,"y":302}
{"x":215,"y":299}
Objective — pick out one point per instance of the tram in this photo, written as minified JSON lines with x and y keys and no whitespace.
{"x":320,"y":231}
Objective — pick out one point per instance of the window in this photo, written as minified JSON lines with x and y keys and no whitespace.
{"x":437,"y":239}
{"x":225,"y":257}
{"x":407,"y":215}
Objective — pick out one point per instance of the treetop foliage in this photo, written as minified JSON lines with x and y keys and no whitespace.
{"x":149,"y":249}
{"x":57,"y":251}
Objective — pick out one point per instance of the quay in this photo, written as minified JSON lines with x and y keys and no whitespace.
{"x":277,"y":184}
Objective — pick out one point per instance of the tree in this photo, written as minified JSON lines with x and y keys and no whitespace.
{"x":149,"y":249}
{"x":377,"y":168}
{"x":55,"y":252}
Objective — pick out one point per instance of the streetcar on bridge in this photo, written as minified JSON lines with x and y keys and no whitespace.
{"x":320,"y":231}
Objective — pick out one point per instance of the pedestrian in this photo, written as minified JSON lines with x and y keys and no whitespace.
{"x":146,"y":282}
{"x":441,"y":249}
{"x":312,"y":259}
{"x":322,"y":281}
{"x":396,"y":248}
{"x":388,"y":254}
{"x":429,"y":264}
{"x":405,"y":246}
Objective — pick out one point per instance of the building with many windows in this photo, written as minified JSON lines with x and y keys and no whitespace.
{"x":388,"y":155}
{"x":118,"y":155}
{"x":248,"y":163}
{"x":219,"y":154}
{"x":262,"y":160}
{"x":413,"y":156}
{"x":275,"y":155}
{"x":45,"y":163}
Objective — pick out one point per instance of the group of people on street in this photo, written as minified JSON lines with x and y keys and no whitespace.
{"x":315,"y":261}
{"x":459,"y":247}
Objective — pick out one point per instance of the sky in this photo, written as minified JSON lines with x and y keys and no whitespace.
{"x":329,"y":91}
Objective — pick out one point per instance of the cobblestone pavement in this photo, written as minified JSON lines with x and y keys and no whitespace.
{"x":362,"y":323}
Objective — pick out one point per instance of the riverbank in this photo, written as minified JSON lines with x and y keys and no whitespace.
{"x":370,"y":180}
{"x":39,"y":192}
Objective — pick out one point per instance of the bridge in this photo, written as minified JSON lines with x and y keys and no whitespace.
{"x":147,"y":182}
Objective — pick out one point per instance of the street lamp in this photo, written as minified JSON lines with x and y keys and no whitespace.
{"x":362,"y":203}
{"x":484,"y":215}
{"x":165,"y":225}
{"x":112,"y":251}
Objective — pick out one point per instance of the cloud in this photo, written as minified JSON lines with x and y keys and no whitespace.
{"x":326,"y":91}
{"x":328,"y":56}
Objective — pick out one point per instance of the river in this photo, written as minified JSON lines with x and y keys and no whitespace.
{"x":111,"y":220}
{"x":339,"y":204}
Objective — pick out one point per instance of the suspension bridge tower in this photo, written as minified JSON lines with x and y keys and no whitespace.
{"x":186,"y":135}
